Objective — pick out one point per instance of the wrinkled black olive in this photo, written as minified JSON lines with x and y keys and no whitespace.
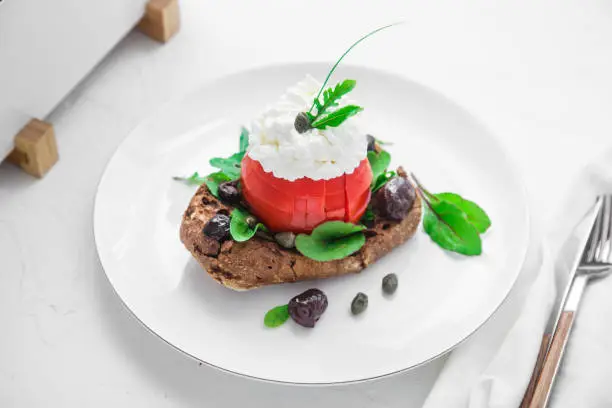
{"x":394,"y":200}
{"x":218,"y":227}
{"x":359,"y":303}
{"x":389,"y":284}
{"x":302,"y":123}
{"x":306,"y":308}
{"x":371,"y":143}
{"x":229,"y":193}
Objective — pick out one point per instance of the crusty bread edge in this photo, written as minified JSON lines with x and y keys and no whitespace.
{"x":259,"y":262}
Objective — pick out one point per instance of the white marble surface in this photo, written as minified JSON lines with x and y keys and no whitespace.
{"x":537,"y":72}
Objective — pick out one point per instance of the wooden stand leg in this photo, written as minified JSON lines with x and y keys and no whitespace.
{"x":35,"y":148}
{"x":161,"y":20}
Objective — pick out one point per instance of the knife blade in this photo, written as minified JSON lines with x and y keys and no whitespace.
{"x":587,"y":222}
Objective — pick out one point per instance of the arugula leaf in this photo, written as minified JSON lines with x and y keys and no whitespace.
{"x":240,"y":229}
{"x":335,"y":118}
{"x":331,"y":71}
{"x":195,"y":179}
{"x":244,"y":140}
{"x":276,"y":316}
{"x":229,"y":165}
{"x":448,"y":227}
{"x":382,"y":142}
{"x":379,"y":163}
{"x":331,"y":96}
{"x":214,"y":179}
{"x":382,"y":180}
{"x":331,"y":240}
{"x":475,"y":214}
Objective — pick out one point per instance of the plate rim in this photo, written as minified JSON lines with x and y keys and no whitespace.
{"x":518,"y":174}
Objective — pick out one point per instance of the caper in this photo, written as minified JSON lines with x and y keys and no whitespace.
{"x":302,"y":123}
{"x":285,"y":239}
{"x":389,"y":284}
{"x":251,"y":221}
{"x":359,"y":303}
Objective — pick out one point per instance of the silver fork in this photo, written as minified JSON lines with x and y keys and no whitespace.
{"x":596,"y":263}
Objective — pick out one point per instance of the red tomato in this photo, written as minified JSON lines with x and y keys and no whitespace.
{"x":301,"y":205}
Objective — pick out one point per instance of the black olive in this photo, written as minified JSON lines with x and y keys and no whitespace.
{"x":389,"y":284}
{"x":229,"y":193}
{"x":218,"y":227}
{"x":394,"y":200}
{"x":306,"y":308}
{"x":371,"y":143}
{"x":302,"y":123}
{"x":359,"y":303}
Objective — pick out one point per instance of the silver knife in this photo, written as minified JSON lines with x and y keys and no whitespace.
{"x":557,"y":309}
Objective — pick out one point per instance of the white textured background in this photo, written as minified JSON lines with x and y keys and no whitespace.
{"x":538,"y":73}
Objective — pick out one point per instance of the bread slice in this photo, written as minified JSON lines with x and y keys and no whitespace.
{"x":259,"y":262}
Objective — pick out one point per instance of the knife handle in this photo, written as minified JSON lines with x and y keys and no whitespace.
{"x":552,"y":360}
{"x":536,"y":371}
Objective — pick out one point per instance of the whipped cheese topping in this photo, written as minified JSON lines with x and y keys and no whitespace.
{"x":317,"y":154}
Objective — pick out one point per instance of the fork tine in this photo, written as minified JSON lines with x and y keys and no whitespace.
{"x":602,"y":241}
{"x":595,"y":234}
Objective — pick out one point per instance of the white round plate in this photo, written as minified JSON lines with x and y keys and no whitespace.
{"x":442,"y":297}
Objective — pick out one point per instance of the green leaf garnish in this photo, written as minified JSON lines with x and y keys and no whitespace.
{"x":448,"y":227}
{"x":335,"y":118}
{"x":276,"y":316}
{"x":244,"y":140}
{"x":332,"y":95}
{"x":368,"y":215}
{"x":379,"y":162}
{"x":214,"y":179}
{"x":240,"y":229}
{"x":195,"y":179}
{"x":229,"y":165}
{"x":331,"y":71}
{"x":453,"y":222}
{"x":475,"y":214}
{"x":382,"y":142}
{"x":382,"y":180}
{"x":230,"y":168}
{"x":331,"y":240}
{"x":324,"y":117}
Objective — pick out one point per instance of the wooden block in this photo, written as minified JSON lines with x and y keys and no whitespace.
{"x":161,"y":20}
{"x":35,"y":148}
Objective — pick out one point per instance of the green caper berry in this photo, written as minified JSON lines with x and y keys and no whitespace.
{"x":389,"y":284}
{"x":302,"y":123}
{"x":285,"y":239}
{"x":251,"y":221}
{"x":359,"y":303}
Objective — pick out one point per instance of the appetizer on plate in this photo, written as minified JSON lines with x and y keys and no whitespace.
{"x":300,"y":204}
{"x":310,"y":195}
